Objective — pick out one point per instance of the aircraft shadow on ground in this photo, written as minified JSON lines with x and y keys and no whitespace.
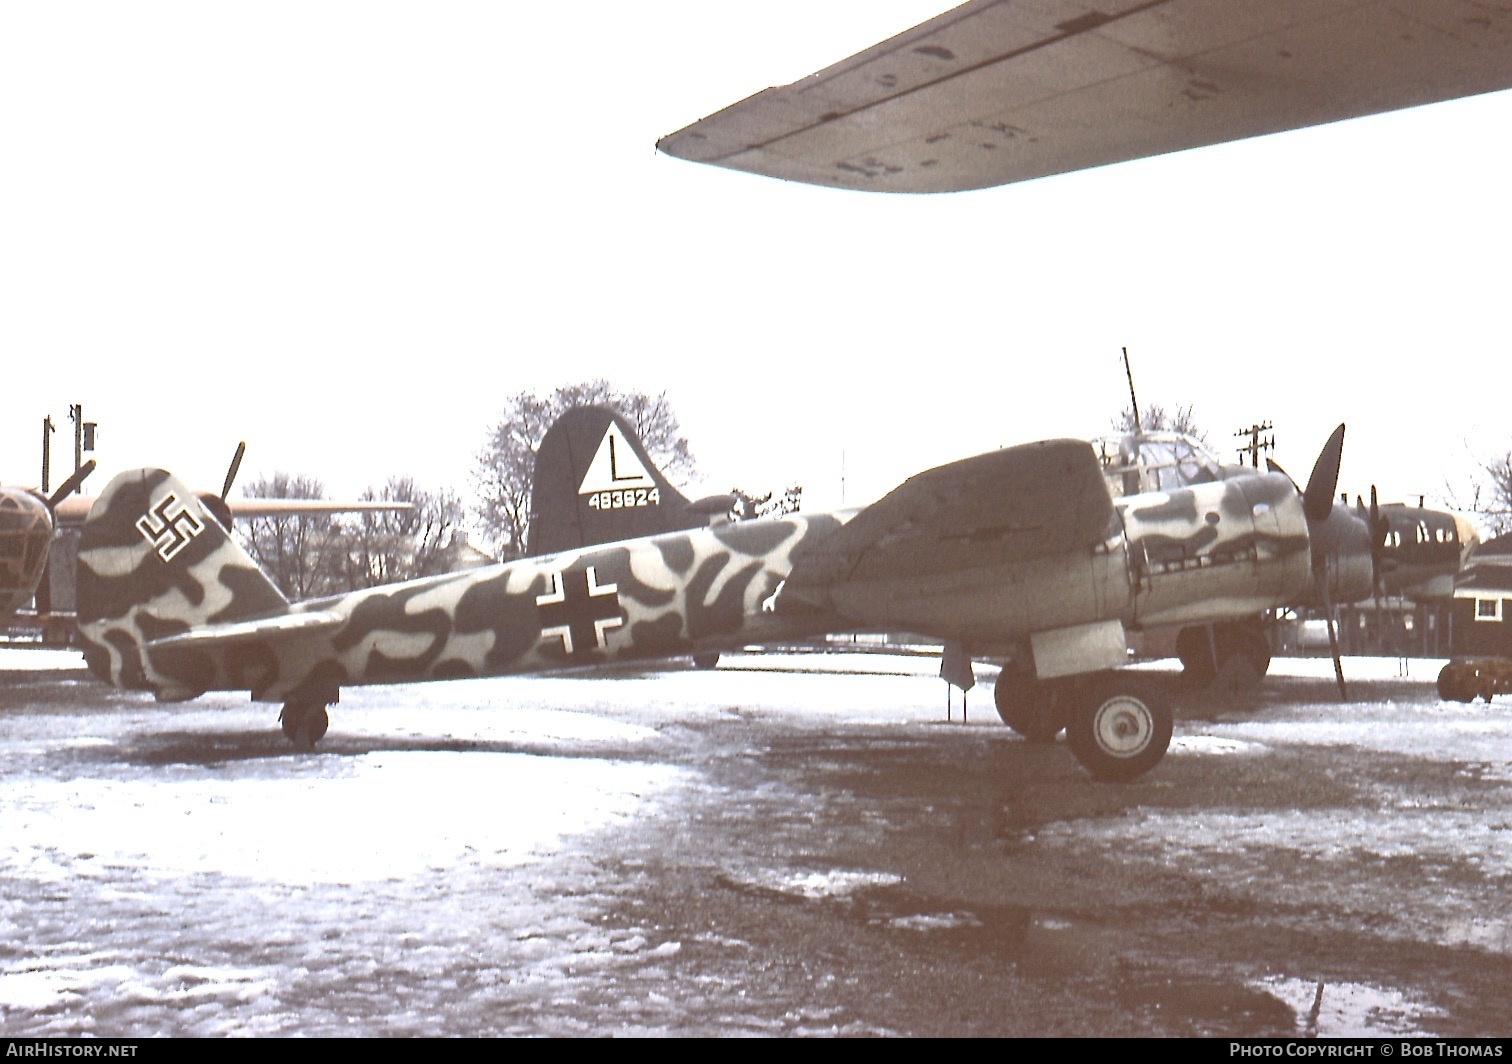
{"x":223,"y":747}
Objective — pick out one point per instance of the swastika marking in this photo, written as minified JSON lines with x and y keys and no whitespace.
{"x":169,"y":526}
{"x":579,"y":610}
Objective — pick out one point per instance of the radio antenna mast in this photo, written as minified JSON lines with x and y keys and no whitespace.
{"x":1133,"y":402}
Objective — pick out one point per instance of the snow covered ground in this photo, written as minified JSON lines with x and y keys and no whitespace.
{"x":442,"y":864}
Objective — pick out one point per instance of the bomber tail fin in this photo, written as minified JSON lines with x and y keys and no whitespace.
{"x":594,"y":483}
{"x":154,"y":563}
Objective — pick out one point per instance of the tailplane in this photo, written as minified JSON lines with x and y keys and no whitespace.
{"x":594,"y":483}
{"x":154,"y":563}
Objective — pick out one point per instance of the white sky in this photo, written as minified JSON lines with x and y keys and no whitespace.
{"x":346,"y":232}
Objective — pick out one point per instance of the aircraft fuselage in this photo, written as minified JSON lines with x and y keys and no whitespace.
{"x":1211,"y":551}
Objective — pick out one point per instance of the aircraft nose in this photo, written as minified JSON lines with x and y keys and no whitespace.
{"x":26,"y":531}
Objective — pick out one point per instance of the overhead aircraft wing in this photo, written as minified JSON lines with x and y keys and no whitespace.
{"x":998,"y":91}
{"x":75,"y":508}
{"x":1016,"y":504}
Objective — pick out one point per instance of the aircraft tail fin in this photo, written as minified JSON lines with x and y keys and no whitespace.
{"x":594,"y":483}
{"x":154,"y":563}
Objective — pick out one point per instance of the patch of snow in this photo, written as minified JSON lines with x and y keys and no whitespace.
{"x":1352,"y":1010}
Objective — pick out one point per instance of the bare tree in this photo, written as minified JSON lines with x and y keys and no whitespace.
{"x":302,"y":553}
{"x":383,"y":547}
{"x":506,"y":464}
{"x":1491,"y":495}
{"x":768,"y":506}
{"x":1157,"y":419}
{"x":310,"y":555}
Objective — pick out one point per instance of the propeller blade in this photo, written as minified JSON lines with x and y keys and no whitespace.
{"x":1333,"y":638}
{"x":241,"y":449}
{"x":1273,"y":466}
{"x":71,"y":485}
{"x":1318,"y":496}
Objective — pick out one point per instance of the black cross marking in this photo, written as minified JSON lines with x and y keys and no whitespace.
{"x":169,"y":526}
{"x":580,"y":610}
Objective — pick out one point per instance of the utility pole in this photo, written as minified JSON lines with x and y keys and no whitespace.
{"x":84,"y":434}
{"x":76,"y":415}
{"x":47,"y":431}
{"x":1258,"y":442}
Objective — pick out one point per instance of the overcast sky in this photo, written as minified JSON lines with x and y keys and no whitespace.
{"x":346,"y":232}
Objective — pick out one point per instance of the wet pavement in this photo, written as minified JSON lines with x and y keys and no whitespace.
{"x":785,"y":845}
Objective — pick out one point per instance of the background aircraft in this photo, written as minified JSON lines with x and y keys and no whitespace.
{"x":28,"y":522}
{"x":594,"y":483}
{"x":994,"y":92}
{"x":1422,"y":549}
{"x":1020,"y":552}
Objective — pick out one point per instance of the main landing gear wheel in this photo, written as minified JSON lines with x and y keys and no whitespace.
{"x":1242,"y":649}
{"x":304,"y":723}
{"x":1034,"y":708}
{"x":706,"y":659}
{"x":1120,"y":730}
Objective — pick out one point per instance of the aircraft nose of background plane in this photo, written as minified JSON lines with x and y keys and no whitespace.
{"x":26,"y":530}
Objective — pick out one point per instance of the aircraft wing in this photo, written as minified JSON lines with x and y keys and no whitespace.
{"x":1016,"y":504}
{"x":75,"y":508}
{"x":998,"y":91}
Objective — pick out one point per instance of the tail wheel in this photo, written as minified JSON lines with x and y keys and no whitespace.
{"x":304,"y":723}
{"x":1121,"y":730}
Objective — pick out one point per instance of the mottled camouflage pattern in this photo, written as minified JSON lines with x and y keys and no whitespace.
{"x":168,"y":602}
{"x":650,"y":598}
{"x":1216,"y":551}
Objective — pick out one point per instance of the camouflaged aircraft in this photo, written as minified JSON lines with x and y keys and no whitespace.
{"x":1416,"y":550}
{"x":997,"y":91}
{"x":1021,"y":553}
{"x":30,"y":522}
